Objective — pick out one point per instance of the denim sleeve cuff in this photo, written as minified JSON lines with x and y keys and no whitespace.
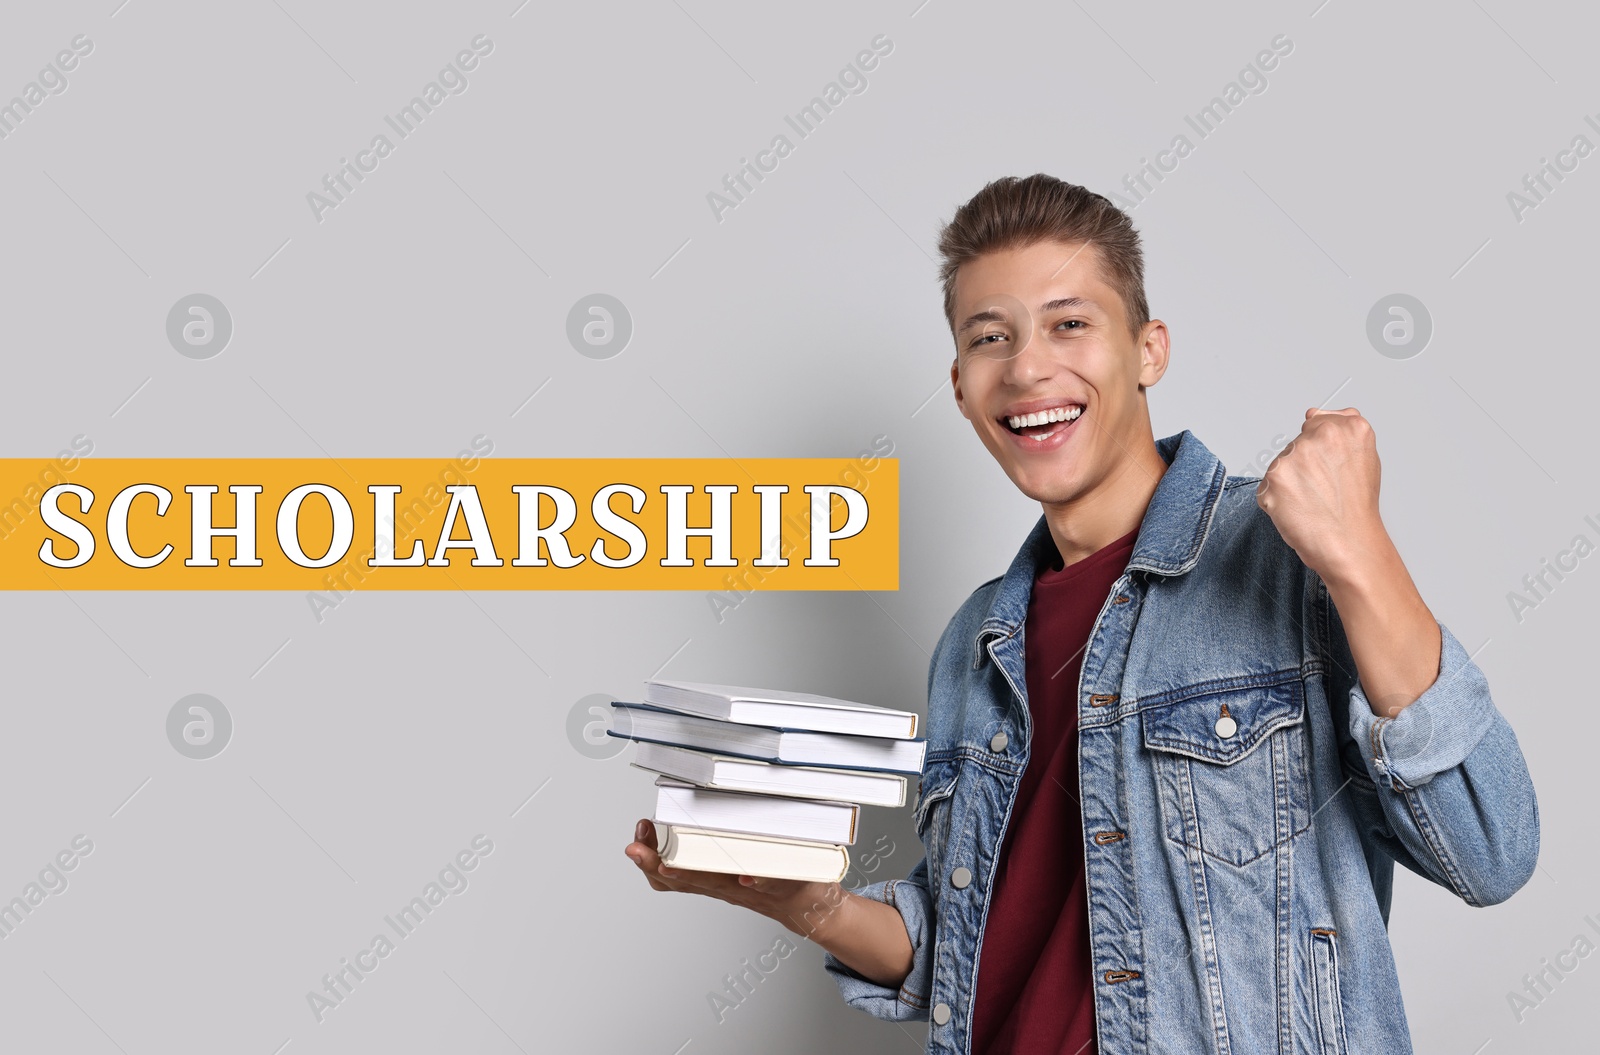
{"x":910,"y":1001}
{"x":1434,"y":733}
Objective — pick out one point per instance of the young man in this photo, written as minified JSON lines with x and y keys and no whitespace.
{"x":1176,"y":749}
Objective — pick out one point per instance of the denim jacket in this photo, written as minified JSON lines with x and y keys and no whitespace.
{"x":1242,"y":805}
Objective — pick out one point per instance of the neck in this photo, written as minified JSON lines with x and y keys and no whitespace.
{"x":1115,"y":507}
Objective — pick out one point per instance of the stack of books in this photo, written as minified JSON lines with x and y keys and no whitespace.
{"x":765,"y":783}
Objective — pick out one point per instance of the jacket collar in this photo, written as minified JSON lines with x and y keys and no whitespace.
{"x":1174,"y":528}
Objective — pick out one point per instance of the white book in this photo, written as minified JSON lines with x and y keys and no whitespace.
{"x":781,"y":709}
{"x":682,"y":846}
{"x":645,"y":721}
{"x":782,"y":817}
{"x":725,"y":773}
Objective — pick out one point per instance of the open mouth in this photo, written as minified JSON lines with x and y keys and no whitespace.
{"x":1044,"y":424}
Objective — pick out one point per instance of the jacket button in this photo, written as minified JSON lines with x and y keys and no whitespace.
{"x":1226,"y":726}
{"x":941,"y":1014}
{"x":961,"y":877}
{"x":999,"y":742}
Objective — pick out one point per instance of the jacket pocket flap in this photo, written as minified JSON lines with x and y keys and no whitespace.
{"x":938,"y":783}
{"x":1223,"y":725}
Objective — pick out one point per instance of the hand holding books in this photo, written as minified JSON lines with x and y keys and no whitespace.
{"x":757,"y":799}
{"x":801,"y":906}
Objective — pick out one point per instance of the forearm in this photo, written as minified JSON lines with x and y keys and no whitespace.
{"x":1393,"y":636}
{"x":1449,"y":783}
{"x":867,"y":936}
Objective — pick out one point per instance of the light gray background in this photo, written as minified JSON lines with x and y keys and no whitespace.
{"x":370,"y":748}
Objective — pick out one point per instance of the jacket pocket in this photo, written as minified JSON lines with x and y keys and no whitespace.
{"x":1230,"y":766}
{"x":1328,"y":1010}
{"x":932,"y":813}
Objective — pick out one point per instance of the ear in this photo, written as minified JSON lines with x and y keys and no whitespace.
{"x":1154,"y":353}
{"x":955,"y":386}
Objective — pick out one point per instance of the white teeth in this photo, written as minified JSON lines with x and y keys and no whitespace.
{"x":1044,"y":417}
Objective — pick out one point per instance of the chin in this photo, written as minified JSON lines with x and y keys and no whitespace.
{"x":1051,"y":489}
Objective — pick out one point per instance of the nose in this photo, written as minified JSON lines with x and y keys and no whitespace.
{"x":1032,"y":360}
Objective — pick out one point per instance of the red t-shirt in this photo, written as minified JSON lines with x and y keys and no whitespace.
{"x":1035,"y":979}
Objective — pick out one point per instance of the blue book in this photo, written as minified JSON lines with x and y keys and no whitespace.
{"x":792,"y":747}
{"x":775,"y":816}
{"x":728,"y":773}
{"x":781,"y":709}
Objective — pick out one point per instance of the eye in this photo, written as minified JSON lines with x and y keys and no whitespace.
{"x":1071,"y":322}
{"x":983,"y":338}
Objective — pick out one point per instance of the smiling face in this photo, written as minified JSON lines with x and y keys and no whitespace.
{"x":1048,"y":372}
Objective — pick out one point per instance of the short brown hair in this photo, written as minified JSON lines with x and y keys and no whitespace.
{"x":1016,"y":211}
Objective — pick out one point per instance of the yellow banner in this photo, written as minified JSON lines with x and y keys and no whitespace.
{"x":444,"y":524}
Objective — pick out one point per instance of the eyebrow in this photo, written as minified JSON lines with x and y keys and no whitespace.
{"x":994,"y":315}
{"x":1070,"y":302}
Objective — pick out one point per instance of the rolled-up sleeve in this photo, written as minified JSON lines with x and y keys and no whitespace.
{"x":909,"y":896}
{"x":1450,"y":776}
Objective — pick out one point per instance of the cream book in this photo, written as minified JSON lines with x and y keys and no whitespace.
{"x":753,"y":855}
